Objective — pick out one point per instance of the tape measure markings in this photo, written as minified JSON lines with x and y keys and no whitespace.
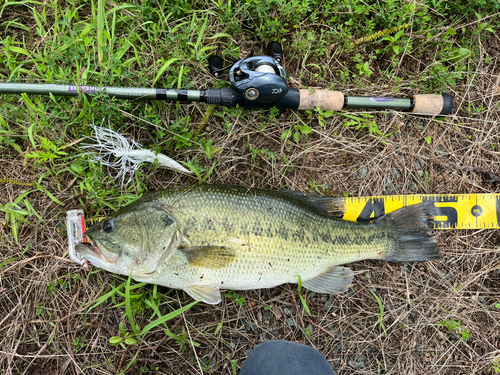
{"x":453,"y":211}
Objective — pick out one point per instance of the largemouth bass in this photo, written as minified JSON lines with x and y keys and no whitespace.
{"x":210,"y":237}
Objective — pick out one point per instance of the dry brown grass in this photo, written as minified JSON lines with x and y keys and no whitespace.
{"x":41,"y":319}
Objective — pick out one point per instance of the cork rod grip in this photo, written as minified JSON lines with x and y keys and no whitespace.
{"x":434,"y":105}
{"x":324,"y":99}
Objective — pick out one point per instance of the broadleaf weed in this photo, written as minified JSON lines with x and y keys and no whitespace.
{"x":496,"y":365}
{"x":454,"y":325}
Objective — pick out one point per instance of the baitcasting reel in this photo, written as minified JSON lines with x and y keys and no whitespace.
{"x":261,"y":79}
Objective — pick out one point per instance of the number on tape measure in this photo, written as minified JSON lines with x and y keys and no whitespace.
{"x":453,"y":211}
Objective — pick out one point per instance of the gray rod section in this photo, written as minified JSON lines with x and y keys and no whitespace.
{"x":75,"y":90}
{"x":377,"y":102}
{"x":117,"y":92}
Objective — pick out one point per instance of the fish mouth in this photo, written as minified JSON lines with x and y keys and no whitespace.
{"x":90,"y":247}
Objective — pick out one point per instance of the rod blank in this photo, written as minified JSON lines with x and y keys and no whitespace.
{"x":326,"y":100}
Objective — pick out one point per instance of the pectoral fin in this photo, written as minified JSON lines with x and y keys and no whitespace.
{"x":209,"y":256}
{"x":207,"y":293}
{"x":335,"y":280}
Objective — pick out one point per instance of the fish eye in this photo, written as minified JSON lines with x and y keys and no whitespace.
{"x":107,"y":226}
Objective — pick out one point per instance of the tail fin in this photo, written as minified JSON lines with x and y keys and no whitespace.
{"x":409,"y":226}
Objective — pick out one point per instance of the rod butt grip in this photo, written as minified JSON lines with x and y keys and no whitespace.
{"x":326,"y":100}
{"x":433,"y":104}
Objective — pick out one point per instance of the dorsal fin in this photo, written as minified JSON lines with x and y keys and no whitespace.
{"x":333,"y":206}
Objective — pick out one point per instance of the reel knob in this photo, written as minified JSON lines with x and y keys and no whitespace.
{"x":214,"y":65}
{"x":275,"y":51}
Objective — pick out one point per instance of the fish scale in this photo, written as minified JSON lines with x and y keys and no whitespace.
{"x":225,"y":237}
{"x":291,"y":245}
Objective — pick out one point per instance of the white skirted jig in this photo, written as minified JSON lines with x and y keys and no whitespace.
{"x":130,"y":155}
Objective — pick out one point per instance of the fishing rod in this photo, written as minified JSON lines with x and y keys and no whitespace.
{"x":256,"y":81}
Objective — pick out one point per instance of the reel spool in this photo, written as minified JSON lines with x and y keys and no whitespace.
{"x":259,"y":79}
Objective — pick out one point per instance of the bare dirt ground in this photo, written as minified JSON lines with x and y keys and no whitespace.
{"x":46,"y":326}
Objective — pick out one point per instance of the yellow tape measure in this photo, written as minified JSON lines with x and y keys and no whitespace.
{"x":454,"y":211}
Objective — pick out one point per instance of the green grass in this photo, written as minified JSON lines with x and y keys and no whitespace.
{"x":302,"y":299}
{"x":380,"y":316}
{"x":136,"y":44}
{"x":138,"y":301}
{"x":435,"y":46}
